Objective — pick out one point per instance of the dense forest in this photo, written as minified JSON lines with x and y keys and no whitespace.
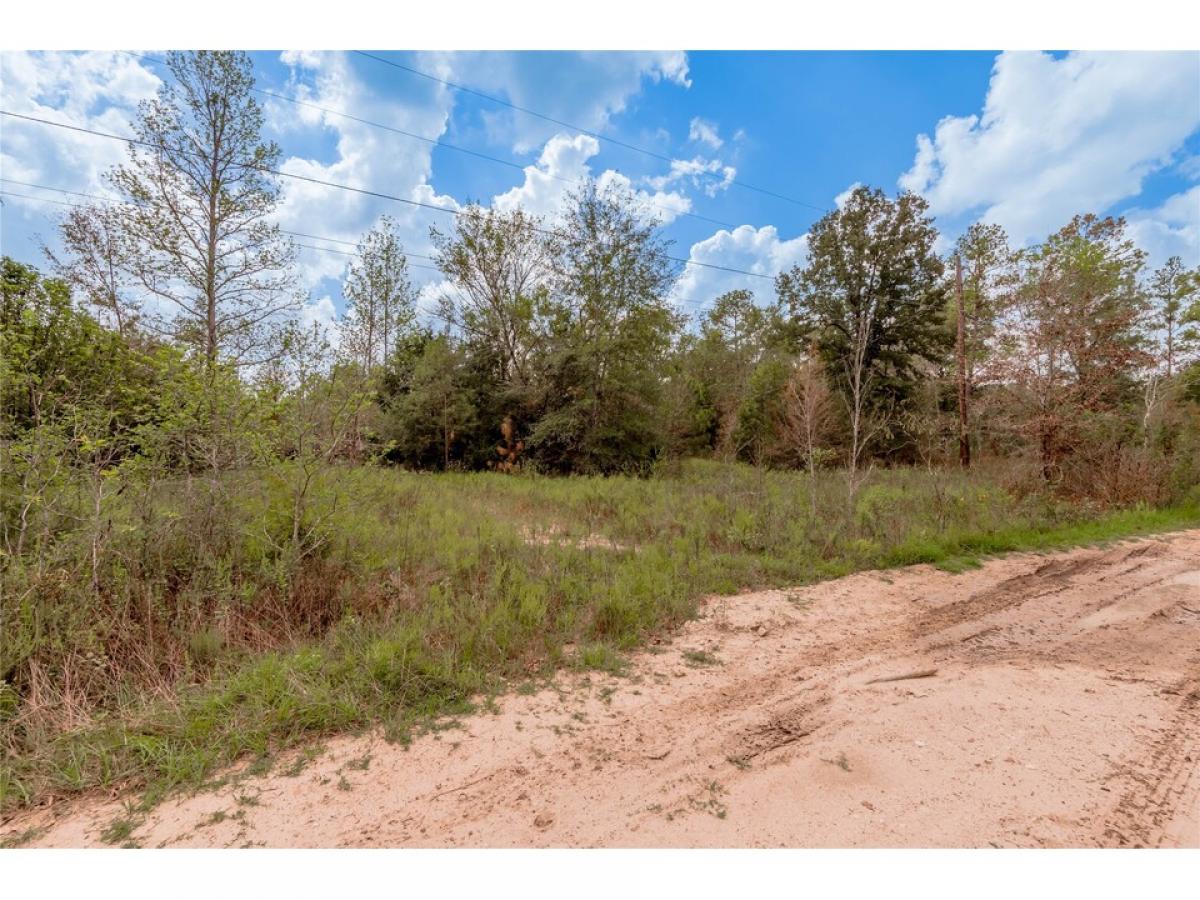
{"x":183,"y":463}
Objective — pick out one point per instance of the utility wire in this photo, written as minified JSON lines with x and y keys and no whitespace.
{"x":14,"y":194}
{"x":434,"y":141}
{"x":344,"y":187}
{"x":299,"y":234}
{"x":600,"y":137}
{"x":699,"y":305}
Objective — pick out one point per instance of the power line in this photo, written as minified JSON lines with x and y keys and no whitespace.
{"x":299,"y":234}
{"x":437,"y":142}
{"x":428,"y":312}
{"x":314,"y":237}
{"x":600,"y":137}
{"x":344,"y":187}
{"x":698,"y":305}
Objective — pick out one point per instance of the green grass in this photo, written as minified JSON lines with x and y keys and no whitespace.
{"x":20,"y":839}
{"x":698,"y":658}
{"x":118,"y":831}
{"x":425,"y":594}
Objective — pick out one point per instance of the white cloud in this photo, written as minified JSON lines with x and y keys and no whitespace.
{"x":1172,"y":229}
{"x":308,"y":59}
{"x":322,"y":313}
{"x":698,"y":172}
{"x":561,"y":168}
{"x":558,"y":171}
{"x":98,"y":90}
{"x":1058,"y":137}
{"x":841,"y":199}
{"x":757,"y":250}
{"x":365,"y":157}
{"x":586,"y":89}
{"x":704,"y":132}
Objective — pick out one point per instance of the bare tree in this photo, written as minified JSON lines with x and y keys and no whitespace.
{"x":808,"y":414}
{"x":866,"y":419}
{"x":199,"y":218}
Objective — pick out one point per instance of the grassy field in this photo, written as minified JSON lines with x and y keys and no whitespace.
{"x":203,"y":637}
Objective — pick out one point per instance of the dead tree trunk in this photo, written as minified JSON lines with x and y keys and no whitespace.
{"x":960,"y":352}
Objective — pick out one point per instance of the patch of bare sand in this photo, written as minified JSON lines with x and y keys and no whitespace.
{"x":1065,"y":712}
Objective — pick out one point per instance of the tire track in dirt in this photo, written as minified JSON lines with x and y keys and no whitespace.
{"x":1160,"y":781}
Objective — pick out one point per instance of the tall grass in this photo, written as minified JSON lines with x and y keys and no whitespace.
{"x":204,"y":636}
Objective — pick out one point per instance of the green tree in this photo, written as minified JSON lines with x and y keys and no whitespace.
{"x":498,"y":262}
{"x":1176,"y":294}
{"x":984,"y":272}
{"x":437,"y":410}
{"x":381,"y":301}
{"x":872,"y":299}
{"x":198,"y":231}
{"x":736,"y":334}
{"x":74,"y":396}
{"x":872,"y":293}
{"x":609,"y":329}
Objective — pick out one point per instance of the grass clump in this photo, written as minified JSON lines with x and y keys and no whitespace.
{"x":698,"y":658}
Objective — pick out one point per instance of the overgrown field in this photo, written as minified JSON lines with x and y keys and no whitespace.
{"x":181,"y":631}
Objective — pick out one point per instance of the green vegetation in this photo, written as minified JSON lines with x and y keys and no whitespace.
{"x":427,"y":591}
{"x":698,"y":658}
{"x":219,"y":535}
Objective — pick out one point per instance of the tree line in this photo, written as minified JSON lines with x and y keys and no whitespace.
{"x":166,"y":331}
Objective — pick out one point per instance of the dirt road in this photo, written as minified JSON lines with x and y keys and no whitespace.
{"x":1065,"y":711}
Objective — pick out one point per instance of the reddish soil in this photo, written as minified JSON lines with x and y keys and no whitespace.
{"x":1065,"y":711}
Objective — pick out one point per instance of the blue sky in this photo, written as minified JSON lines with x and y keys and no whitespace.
{"x":1023,"y":139}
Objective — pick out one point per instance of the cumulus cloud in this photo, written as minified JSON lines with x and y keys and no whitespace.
{"x":757,"y":250}
{"x":1171,"y":229}
{"x":98,"y":90}
{"x":322,"y":313}
{"x":704,"y":132}
{"x":563,"y":165}
{"x":841,"y":199}
{"x":698,"y":172}
{"x":1058,"y":137}
{"x":588,"y":90}
{"x":364,"y":157}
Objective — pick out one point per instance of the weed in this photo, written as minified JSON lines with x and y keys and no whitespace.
{"x":603,"y":658}
{"x":118,"y":830}
{"x":302,"y":760}
{"x":22,"y":838}
{"x":698,"y":658}
{"x":709,"y":800}
{"x":840,"y":761}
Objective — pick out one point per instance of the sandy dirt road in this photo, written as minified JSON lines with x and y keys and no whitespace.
{"x":1065,"y":711}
